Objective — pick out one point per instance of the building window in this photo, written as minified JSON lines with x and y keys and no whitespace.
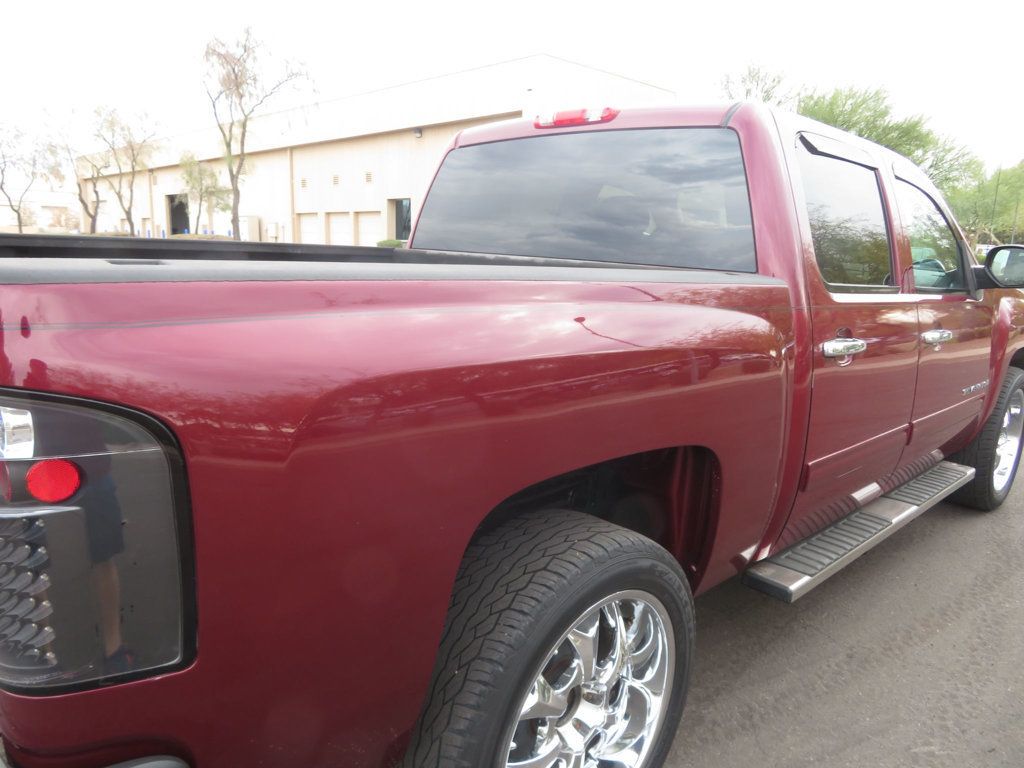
{"x":369,"y":177}
{"x":335,"y":180}
{"x":402,"y":212}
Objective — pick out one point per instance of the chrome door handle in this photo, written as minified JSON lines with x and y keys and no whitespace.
{"x":936,"y":336}
{"x":843,"y":347}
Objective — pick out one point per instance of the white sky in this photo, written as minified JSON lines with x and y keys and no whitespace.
{"x":962,"y":71}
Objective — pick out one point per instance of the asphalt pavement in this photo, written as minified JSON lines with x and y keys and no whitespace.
{"x":911,"y":656}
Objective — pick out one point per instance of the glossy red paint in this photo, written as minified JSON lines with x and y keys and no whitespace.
{"x":344,"y":439}
{"x":341,"y":456}
{"x":892,"y":406}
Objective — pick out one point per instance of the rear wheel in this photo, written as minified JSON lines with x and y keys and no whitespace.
{"x":567,"y":645}
{"x":995,"y":452}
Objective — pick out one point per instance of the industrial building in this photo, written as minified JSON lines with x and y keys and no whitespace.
{"x":353,"y":170}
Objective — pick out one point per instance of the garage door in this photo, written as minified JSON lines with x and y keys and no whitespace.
{"x":340,"y":228}
{"x":369,"y":227}
{"x":310,"y":230}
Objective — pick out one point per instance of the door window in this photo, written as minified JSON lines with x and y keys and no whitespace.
{"x":933,"y":246}
{"x":848,"y":227}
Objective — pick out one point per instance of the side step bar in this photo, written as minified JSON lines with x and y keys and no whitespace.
{"x":794,"y":572}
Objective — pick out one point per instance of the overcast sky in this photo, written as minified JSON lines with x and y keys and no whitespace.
{"x":61,"y":57}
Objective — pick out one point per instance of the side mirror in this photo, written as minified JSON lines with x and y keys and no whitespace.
{"x":1005,"y":264}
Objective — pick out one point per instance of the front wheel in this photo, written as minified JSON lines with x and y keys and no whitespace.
{"x":995,"y":451}
{"x":568,"y":644}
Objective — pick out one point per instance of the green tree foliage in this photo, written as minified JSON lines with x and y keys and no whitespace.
{"x":202,"y":187}
{"x":867,"y":112}
{"x":992,"y":209}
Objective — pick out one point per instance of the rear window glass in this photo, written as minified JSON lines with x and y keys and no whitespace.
{"x":668,"y":197}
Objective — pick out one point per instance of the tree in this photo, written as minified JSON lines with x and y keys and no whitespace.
{"x":87,"y":171}
{"x":237,"y":90}
{"x":992,"y":209}
{"x":951,"y":166}
{"x":755,"y":84}
{"x":127,"y":148}
{"x":867,"y":113}
{"x":203,"y":186}
{"x":20,"y":168}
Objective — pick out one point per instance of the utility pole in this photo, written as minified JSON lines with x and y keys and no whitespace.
{"x":995,"y":200}
{"x":1016,"y":210}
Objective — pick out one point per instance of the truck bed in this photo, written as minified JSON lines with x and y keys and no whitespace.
{"x":147,"y":249}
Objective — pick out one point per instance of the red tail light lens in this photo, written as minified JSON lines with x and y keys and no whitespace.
{"x":53,"y":480}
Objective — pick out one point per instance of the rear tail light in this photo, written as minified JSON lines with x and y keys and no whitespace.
{"x":93,"y":527}
{"x":17,"y":436}
{"x":576,"y":117}
{"x":53,"y":480}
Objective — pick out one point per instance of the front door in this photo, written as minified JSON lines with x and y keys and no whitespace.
{"x":955,"y":327}
{"x":865,"y":333}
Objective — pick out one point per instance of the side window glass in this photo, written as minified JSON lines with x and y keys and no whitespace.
{"x":848,"y":228}
{"x":933,"y":246}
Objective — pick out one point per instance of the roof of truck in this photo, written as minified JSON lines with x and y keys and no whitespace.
{"x":648,"y":117}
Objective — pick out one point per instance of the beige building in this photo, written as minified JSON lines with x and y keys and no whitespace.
{"x":47,"y":209}
{"x":353,"y":171}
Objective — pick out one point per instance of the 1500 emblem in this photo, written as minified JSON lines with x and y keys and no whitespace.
{"x":975,"y":387}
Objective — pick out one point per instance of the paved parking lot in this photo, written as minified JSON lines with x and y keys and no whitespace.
{"x":911,"y":656}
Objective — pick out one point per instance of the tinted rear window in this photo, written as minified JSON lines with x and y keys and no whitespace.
{"x":668,"y":197}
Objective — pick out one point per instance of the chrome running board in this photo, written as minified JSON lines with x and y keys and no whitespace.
{"x":794,"y":572}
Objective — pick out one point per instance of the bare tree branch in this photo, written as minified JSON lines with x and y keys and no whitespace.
{"x":63,"y":159}
{"x":128,"y":148}
{"x":19,"y":170}
{"x":237,"y":90}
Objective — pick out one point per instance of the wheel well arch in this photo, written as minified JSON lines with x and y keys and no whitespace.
{"x":670,"y":495}
{"x":1017,"y":360}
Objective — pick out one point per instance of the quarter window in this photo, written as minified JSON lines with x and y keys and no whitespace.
{"x":933,"y":246}
{"x":848,"y":229}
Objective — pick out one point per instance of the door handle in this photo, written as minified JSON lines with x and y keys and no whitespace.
{"x":936,"y":336}
{"x":843,"y":347}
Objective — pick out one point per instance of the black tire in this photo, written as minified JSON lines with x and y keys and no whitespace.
{"x":981,"y":493}
{"x":518,"y":590}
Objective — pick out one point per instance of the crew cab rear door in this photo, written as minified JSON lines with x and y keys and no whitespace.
{"x":865,"y":333}
{"x":955,"y":321}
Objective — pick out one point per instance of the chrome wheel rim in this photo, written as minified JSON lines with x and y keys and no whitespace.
{"x":1008,"y":442}
{"x":599,"y":699}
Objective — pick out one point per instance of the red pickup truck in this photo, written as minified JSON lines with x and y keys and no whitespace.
{"x":270,"y":505}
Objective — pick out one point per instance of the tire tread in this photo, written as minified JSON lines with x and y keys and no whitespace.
{"x":980,"y":452}
{"x":504,"y":581}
